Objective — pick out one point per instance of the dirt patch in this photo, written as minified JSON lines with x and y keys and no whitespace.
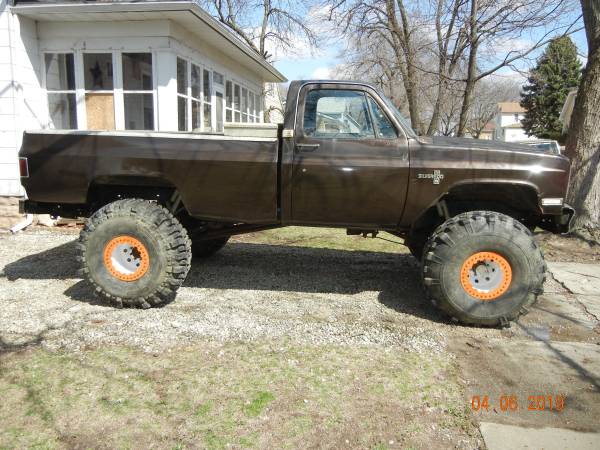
{"x":536,"y":373}
{"x":557,"y":247}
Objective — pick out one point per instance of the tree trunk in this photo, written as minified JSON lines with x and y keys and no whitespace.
{"x":405,"y":54}
{"x":583,"y":142}
{"x":471,"y":70}
{"x":412,"y":91}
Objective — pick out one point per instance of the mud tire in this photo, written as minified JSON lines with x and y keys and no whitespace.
{"x":456,"y":240}
{"x":166,"y":241}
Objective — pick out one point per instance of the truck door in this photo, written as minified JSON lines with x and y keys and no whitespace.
{"x":350,"y":164}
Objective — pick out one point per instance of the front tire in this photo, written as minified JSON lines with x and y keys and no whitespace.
{"x":134,"y":253}
{"x":483,"y":268}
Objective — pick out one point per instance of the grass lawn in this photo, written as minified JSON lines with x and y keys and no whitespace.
{"x":242,"y":395}
{"x":332,"y":238}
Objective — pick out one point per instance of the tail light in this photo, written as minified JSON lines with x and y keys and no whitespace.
{"x":23,"y":167}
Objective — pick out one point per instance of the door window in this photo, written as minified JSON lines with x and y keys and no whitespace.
{"x":336,"y":113}
{"x":383,"y":125}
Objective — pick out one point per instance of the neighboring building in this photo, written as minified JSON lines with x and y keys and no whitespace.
{"x":488,"y":131}
{"x":118,"y":65}
{"x":508,"y":122}
{"x":567,"y":110}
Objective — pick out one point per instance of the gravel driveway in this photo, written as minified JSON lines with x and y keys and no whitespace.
{"x":248,"y":291}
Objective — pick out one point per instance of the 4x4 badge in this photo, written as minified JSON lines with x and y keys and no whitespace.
{"x":436,"y":176}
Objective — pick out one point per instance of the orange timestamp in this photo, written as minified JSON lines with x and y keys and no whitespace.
{"x":510,"y":403}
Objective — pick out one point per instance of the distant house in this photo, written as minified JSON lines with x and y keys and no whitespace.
{"x":488,"y":131}
{"x":121,"y":65}
{"x":508,"y":122}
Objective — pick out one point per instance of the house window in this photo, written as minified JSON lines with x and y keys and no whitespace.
{"x":241,"y":104}
{"x":99,"y":94}
{"x":244,"y":105}
{"x":207,"y":99}
{"x":516,"y":117}
{"x":182,"y":94}
{"x":252,"y":116}
{"x":228,"y":102}
{"x":218,"y":78}
{"x":257,"y":107}
{"x":237,"y":115}
{"x":138,"y":93}
{"x":196,"y":97}
{"x":60,"y":85}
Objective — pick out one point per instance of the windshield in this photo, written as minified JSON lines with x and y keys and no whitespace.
{"x":399,"y":117}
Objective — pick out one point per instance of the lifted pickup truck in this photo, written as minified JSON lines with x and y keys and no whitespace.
{"x":344,"y":157}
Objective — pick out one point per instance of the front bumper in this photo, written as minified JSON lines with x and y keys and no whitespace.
{"x":558,"y":223}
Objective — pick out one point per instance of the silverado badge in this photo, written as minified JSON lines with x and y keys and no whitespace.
{"x":436,"y":176}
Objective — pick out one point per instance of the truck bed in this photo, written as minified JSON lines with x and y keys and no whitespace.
{"x":225,"y":178}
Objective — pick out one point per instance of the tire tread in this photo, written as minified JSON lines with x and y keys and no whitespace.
{"x":174,"y":239}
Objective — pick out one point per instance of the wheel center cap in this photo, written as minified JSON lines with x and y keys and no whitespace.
{"x":126,"y":258}
{"x":486,"y":275}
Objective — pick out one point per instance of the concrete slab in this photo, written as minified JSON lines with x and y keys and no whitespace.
{"x":578,"y":278}
{"x":591,"y":304}
{"x":559,"y":310}
{"x":501,"y":437}
{"x":526,"y":370}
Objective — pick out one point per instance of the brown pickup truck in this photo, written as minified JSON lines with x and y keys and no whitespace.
{"x":344,"y":157}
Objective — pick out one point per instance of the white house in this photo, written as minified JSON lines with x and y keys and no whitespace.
{"x":121,"y":65}
{"x":508,"y":122}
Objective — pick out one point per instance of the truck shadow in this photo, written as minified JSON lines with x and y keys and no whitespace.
{"x":394,"y":277}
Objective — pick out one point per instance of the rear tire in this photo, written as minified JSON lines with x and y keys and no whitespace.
{"x":473,"y":247}
{"x":134,"y":253}
{"x":206,"y":248}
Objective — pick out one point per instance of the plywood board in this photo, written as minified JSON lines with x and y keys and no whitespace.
{"x":100,"y":110}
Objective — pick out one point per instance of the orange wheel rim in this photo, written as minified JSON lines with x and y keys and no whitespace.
{"x":126,"y":258}
{"x":486,"y":275}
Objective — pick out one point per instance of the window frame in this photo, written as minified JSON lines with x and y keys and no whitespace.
{"x":60,"y":91}
{"x":124,"y":91}
{"x":252,"y":115}
{"x":376,"y":126}
{"x":202,"y":100}
{"x":117,"y":91}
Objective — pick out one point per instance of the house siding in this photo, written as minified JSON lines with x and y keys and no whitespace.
{"x":22,"y":104}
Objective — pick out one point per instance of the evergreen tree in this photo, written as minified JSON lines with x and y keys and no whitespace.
{"x":557,"y":71}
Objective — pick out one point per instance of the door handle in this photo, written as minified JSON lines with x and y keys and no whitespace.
{"x":307,"y":147}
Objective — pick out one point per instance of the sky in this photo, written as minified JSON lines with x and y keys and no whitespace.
{"x":302,"y":63}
